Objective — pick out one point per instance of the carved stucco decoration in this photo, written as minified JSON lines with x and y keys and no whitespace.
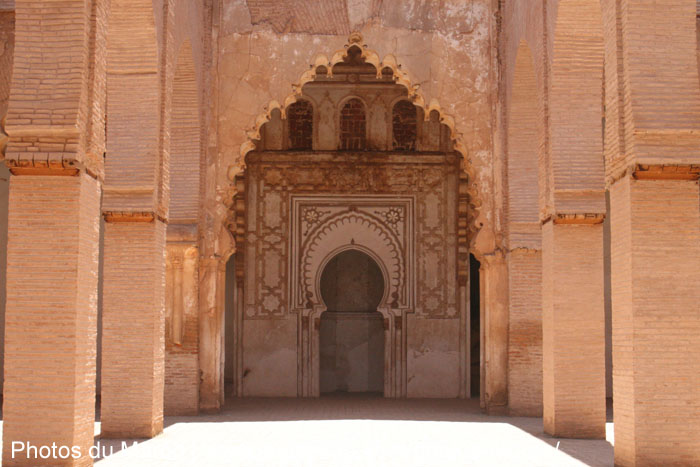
{"x":322,"y":64}
{"x":270,"y":228}
{"x":379,"y":226}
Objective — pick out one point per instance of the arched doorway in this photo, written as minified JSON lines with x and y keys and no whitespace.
{"x":351,"y":331}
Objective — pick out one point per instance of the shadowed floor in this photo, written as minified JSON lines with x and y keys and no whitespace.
{"x":355,"y":430}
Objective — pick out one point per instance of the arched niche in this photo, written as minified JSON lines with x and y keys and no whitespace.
{"x":353,"y":230}
{"x":352,"y":125}
{"x":351,"y":331}
{"x":382,"y":231}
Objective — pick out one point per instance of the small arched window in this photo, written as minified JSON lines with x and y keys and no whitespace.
{"x":353,"y":126}
{"x":405,"y":126}
{"x":301,"y":124}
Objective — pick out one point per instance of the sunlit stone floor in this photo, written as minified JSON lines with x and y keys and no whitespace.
{"x":355,"y":431}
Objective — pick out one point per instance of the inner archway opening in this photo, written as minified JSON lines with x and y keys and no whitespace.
{"x":351,"y":331}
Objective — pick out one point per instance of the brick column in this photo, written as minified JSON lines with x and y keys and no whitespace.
{"x":55,"y":123}
{"x":51,"y":315}
{"x":655,"y":226}
{"x":135,"y":207}
{"x":573,"y":329}
{"x":652,"y":165}
{"x":525,"y":332}
{"x":132,"y":328}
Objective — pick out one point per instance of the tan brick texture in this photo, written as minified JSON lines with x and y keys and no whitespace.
{"x":524,"y":240}
{"x":656,"y":324}
{"x":133,"y":329}
{"x":51,"y":314}
{"x":573,"y":330}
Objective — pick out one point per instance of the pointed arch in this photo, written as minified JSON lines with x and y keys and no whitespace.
{"x":185,"y":140}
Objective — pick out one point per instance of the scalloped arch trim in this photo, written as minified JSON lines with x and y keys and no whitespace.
{"x":401,"y":77}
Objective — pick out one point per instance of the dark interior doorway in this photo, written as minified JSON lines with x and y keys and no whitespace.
{"x":352,"y":330}
{"x":475,"y":324}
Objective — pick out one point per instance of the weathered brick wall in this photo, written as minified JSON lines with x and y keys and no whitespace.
{"x":559,"y":105}
{"x":7,"y":49}
{"x":133,"y":94}
{"x":524,"y":241}
{"x":55,"y":106}
{"x":4,"y":205}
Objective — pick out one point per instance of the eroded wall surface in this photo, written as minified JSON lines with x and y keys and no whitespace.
{"x":446,"y":47}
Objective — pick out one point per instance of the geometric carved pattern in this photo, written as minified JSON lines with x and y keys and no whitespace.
{"x":379,"y":225}
{"x":274,"y":180}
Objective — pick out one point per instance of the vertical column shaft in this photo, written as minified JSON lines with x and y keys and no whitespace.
{"x":133,"y":329}
{"x":51,"y":317}
{"x":655,"y":227}
{"x":573,"y":330}
{"x":525,"y":332}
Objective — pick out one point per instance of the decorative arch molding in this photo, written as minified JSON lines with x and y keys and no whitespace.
{"x":321,"y":64}
{"x":325,"y":225}
{"x":321,"y":228}
{"x":347,"y":230}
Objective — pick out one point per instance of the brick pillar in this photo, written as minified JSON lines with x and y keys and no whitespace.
{"x":655,"y":226}
{"x":525,"y":333}
{"x":51,"y":315}
{"x":573,"y":330}
{"x":135,"y":206}
{"x":132,"y":328}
